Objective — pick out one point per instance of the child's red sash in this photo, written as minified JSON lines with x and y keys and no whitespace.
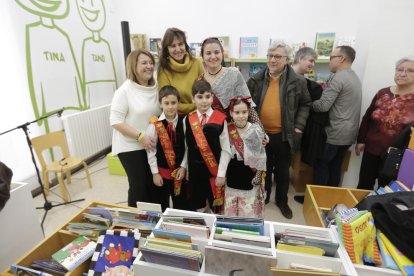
{"x":169,"y":155}
{"x":207,"y":154}
{"x":236,"y":139}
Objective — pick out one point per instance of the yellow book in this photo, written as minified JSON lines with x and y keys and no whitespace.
{"x":313,"y":250}
{"x":172,"y":243}
{"x":404,"y":264}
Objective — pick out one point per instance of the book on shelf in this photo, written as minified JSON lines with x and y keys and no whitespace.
{"x":101,"y":211}
{"x":330,"y":248}
{"x":174,"y":243}
{"x":186,"y":220}
{"x":324,"y":44}
{"x":385,"y":254}
{"x":223,"y":261}
{"x":138,"y":41}
{"x":313,"y":250}
{"x":155,"y":47}
{"x":171,"y":235}
{"x":151,"y":207}
{"x":225,"y":42}
{"x":200,"y":231}
{"x":75,"y":253}
{"x":49,"y":265}
{"x":404,"y":264}
{"x":115,"y":252}
{"x":24,"y":270}
{"x":241,"y":223}
{"x":249,"y":47}
{"x":86,"y":228}
{"x":346,"y":41}
{"x":195,"y":49}
{"x":170,"y":257}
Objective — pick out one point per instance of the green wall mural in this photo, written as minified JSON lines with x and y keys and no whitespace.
{"x":98,"y":67}
{"x":54,"y":77}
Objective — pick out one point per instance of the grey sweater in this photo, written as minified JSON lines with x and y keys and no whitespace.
{"x":342,"y":98}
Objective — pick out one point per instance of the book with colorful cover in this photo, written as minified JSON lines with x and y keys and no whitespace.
{"x":171,"y":235}
{"x":115,"y":252}
{"x":155,"y":47}
{"x":249,"y":47}
{"x":405,"y":264}
{"x":225,"y":42}
{"x":324,"y":44}
{"x":24,"y":270}
{"x":75,"y":253}
{"x":49,"y":265}
{"x":385,"y":254}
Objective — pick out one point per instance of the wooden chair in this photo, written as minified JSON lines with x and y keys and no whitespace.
{"x":65,"y":165}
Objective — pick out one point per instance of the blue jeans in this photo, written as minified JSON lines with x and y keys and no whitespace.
{"x":328,"y":169}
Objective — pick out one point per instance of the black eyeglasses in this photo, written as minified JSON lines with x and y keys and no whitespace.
{"x":332,"y":57}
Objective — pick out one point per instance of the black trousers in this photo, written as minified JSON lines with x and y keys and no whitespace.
{"x":162,"y":195}
{"x":141,"y":187}
{"x":278,"y":162}
{"x":370,"y":167}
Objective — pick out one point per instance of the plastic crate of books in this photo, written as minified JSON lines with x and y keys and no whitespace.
{"x":264,"y":244}
{"x":143,"y":268}
{"x":330,"y":256}
{"x":187,"y":222}
{"x":197,"y":235}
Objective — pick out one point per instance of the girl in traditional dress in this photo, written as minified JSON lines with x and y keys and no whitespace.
{"x":244,"y":194}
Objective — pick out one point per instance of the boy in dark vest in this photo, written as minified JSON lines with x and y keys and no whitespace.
{"x":208,"y":151}
{"x":166,"y":161}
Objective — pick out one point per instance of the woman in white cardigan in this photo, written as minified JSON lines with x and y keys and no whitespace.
{"x":132,"y":107}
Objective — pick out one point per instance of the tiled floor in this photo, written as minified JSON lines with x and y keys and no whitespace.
{"x":113,"y":189}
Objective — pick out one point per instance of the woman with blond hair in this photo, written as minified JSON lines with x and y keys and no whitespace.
{"x":132,"y":107}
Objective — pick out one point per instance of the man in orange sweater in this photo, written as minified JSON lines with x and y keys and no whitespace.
{"x":282,"y":102}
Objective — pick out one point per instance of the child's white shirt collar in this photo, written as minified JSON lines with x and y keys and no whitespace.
{"x":208,"y":113}
{"x":162,"y":117}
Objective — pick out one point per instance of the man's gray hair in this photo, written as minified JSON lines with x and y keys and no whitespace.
{"x":280,"y":44}
{"x":303,"y":53}
{"x":404,"y":59}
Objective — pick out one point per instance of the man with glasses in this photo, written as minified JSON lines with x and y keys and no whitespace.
{"x":282,"y":102}
{"x":342,"y":98}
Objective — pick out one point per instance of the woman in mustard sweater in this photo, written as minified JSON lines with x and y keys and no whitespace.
{"x":178,"y":67}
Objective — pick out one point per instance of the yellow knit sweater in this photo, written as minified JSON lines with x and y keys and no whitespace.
{"x":182,"y":77}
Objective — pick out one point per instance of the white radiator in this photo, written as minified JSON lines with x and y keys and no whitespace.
{"x":88,"y":132}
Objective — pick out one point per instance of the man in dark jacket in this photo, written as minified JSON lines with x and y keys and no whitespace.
{"x":282,"y":102}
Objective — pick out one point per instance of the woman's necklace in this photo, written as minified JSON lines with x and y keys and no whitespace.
{"x":216,"y":72}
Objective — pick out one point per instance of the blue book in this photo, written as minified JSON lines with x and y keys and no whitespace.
{"x":249,"y":47}
{"x":385,"y":254}
{"x":171,"y":235}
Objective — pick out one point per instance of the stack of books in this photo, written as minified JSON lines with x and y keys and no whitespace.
{"x":241,"y":233}
{"x":172,"y":249}
{"x":144,"y":221}
{"x":91,"y":225}
{"x":293,"y":242}
{"x":194,"y":226}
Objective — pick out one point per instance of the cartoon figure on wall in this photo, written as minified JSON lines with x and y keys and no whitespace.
{"x":53,"y":75}
{"x":97,"y":62}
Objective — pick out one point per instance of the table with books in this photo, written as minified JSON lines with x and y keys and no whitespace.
{"x":99,"y":239}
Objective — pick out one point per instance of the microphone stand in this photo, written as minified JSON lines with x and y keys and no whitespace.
{"x":47,"y":205}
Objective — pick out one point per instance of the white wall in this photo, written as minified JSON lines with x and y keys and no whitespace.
{"x":379,"y":27}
